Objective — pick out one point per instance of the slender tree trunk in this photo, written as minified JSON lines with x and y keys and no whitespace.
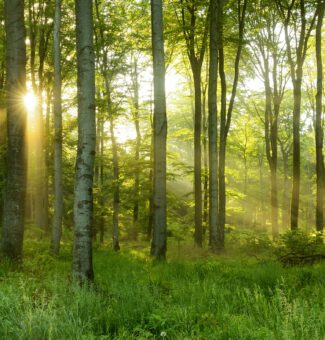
{"x":14,"y":194}
{"x":101,"y":181}
{"x":296,"y":151}
{"x":83,"y":202}
{"x":319,"y":133}
{"x":274,"y":204}
{"x":271,"y":136}
{"x":222,"y":147}
{"x":150,"y":214}
{"x":285,"y":197}
{"x":226,"y":114}
{"x":205,"y":164}
{"x":137,"y":150}
{"x":296,"y":72}
{"x":159,"y":241}
{"x":213,"y":126}
{"x":196,"y":69}
{"x":116,"y":198}
{"x":58,"y":194}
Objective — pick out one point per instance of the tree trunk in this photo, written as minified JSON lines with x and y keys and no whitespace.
{"x":159,"y":241}
{"x":319,"y":133}
{"x":101,"y":181}
{"x":226,"y":114}
{"x":222,"y":148}
{"x":213,"y":126}
{"x":14,"y":194}
{"x":116,"y":194}
{"x":196,"y":69}
{"x":296,"y":150}
{"x":58,"y":195}
{"x":296,"y":72}
{"x":83,"y":202}
{"x":205,"y":164}
{"x":136,"y":119}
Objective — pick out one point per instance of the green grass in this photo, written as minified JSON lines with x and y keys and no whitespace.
{"x":207,"y":297}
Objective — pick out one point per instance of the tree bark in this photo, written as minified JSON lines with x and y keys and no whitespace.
{"x":58,"y":195}
{"x":83,"y":202}
{"x":14,"y":194}
{"x":205,"y":162}
{"x":196,"y":69}
{"x":319,"y":133}
{"x":213,"y":126}
{"x":159,"y":241}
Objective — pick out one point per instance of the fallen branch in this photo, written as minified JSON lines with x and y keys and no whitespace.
{"x":293,"y":259}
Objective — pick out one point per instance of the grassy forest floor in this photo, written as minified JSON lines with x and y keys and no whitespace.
{"x":193,"y":296}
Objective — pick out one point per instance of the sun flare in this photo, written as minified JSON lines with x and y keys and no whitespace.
{"x":30,"y":101}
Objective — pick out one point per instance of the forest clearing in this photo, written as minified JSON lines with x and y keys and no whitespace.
{"x":162,"y":169}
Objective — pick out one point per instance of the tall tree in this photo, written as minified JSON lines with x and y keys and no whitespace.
{"x":83,"y":196}
{"x":319,"y":133}
{"x":269,"y":60}
{"x":14,"y":195}
{"x":189,"y":24}
{"x":213,"y":126}
{"x":226,"y":113}
{"x":58,"y":196}
{"x":159,"y":241}
{"x":295,"y":14}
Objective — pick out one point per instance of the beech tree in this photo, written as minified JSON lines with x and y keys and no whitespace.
{"x":319,"y":133}
{"x":83,"y":195}
{"x":58,"y":196}
{"x":196,"y":48}
{"x":213,"y":125}
{"x":159,"y":240}
{"x":14,"y":194}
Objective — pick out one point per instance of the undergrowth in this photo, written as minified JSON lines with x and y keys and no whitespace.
{"x":216,"y":297}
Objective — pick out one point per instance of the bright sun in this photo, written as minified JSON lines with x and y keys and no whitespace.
{"x":30,"y":101}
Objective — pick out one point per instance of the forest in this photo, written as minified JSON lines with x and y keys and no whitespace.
{"x":162,"y":169}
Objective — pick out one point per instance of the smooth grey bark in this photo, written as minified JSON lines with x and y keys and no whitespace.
{"x":205,"y":161}
{"x":150,"y":210}
{"x":58,"y":195}
{"x":14,"y":193}
{"x":159,"y":240}
{"x":83,"y":195}
{"x":213,"y":126}
{"x":319,"y":132}
{"x":101,"y":178}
